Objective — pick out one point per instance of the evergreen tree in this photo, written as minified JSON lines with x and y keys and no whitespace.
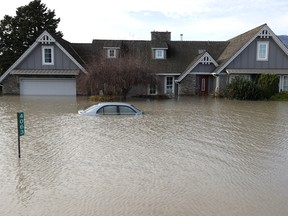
{"x":19,"y":32}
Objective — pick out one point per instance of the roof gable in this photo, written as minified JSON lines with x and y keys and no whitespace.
{"x":239,"y":43}
{"x":44,"y":38}
{"x":203,"y":58}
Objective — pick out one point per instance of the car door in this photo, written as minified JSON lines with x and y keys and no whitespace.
{"x":125,"y":110}
{"x":108,"y":110}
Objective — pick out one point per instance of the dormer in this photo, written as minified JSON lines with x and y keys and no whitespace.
{"x":159,"y":50}
{"x":112,"y":49}
{"x":158,"y":44}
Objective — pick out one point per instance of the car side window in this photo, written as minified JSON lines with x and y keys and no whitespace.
{"x":126,"y":110}
{"x":100,"y":111}
{"x":108,"y":110}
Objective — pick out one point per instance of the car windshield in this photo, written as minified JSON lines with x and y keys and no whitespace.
{"x":90,"y":108}
{"x":136,"y":108}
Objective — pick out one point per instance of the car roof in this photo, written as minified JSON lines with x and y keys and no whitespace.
{"x":114,"y":103}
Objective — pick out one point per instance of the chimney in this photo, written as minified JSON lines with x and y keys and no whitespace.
{"x":160,"y":36}
{"x":181,"y":37}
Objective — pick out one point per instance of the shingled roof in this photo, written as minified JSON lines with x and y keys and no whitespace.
{"x":180,"y":54}
{"x":236,"y":44}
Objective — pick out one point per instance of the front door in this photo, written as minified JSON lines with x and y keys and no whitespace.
{"x":203,"y":85}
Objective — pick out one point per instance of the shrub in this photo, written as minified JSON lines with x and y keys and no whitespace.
{"x":268,"y":85}
{"x":242,"y":89}
{"x":282,"y":96}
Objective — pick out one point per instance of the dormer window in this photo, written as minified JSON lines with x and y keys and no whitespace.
{"x":159,"y":54}
{"x":262,"y":50}
{"x":47,"y":55}
{"x":111,"y":53}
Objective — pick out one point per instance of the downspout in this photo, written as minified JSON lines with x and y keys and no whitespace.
{"x":177,"y":84}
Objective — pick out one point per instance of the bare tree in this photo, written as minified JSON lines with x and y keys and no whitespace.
{"x":118,"y":76}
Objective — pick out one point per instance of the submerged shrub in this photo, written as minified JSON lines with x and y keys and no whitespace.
{"x":242,"y":89}
{"x":281,"y":96}
{"x":268,"y":85}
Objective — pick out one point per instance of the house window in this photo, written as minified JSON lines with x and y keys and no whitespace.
{"x":111,"y":53}
{"x":285,"y":83}
{"x":262,"y":51}
{"x":47,"y":55}
{"x":159,"y":54}
{"x":169,"y":85}
{"x":152,"y":89}
{"x":203,"y":87}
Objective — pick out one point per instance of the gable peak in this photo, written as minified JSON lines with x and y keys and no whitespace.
{"x":265,"y":33}
{"x":45,"y":38}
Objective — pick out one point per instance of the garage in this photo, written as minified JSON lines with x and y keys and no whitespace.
{"x":48,"y":87}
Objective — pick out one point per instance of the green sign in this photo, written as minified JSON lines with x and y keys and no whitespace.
{"x":20,"y":120}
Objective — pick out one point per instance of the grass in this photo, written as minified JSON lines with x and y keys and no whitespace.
{"x":282,"y":96}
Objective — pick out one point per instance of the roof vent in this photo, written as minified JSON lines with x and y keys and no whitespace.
{"x":265,"y":33}
{"x":200,"y":51}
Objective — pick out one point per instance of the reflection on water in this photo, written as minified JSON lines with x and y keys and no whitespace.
{"x":188,"y":156}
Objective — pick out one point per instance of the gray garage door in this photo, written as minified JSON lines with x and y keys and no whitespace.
{"x":47,"y":87}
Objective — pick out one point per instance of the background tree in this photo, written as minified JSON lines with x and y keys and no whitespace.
{"x":19,"y":32}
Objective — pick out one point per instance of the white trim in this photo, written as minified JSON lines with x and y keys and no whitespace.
{"x":259,"y":44}
{"x":44,"y":57}
{"x":45,"y":39}
{"x":159,"y":48}
{"x":111,"y":47}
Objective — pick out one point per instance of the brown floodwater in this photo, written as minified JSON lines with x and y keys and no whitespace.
{"x":185,"y":156}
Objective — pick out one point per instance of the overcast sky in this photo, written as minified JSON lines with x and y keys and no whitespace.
{"x":82,"y":21}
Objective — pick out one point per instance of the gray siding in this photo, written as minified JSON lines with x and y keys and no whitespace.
{"x":204,"y":68}
{"x":34,"y":61}
{"x":247,"y":59}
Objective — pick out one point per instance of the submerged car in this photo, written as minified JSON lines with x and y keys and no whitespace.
{"x":111,"y":108}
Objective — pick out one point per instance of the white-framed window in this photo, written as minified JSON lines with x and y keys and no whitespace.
{"x":111,"y":53}
{"x":169,"y":85}
{"x":262,"y":50}
{"x":47,"y":55}
{"x":152,"y":89}
{"x":159,"y":54}
{"x":285,"y":83}
{"x":203,"y":84}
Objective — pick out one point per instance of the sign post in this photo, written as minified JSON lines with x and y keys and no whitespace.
{"x":21,"y":130}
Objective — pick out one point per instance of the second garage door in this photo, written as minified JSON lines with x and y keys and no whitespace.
{"x":48,"y":87}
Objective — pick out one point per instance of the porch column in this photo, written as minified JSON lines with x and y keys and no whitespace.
{"x":217,"y":85}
